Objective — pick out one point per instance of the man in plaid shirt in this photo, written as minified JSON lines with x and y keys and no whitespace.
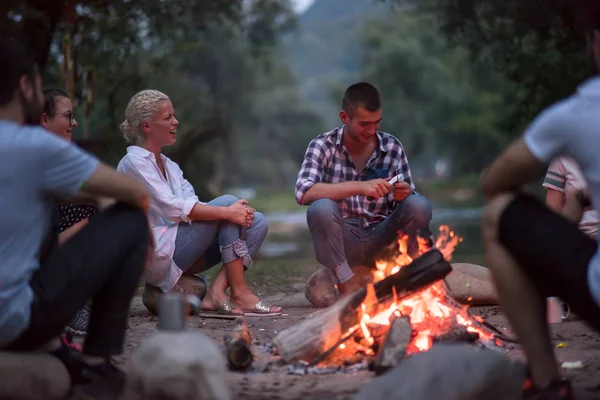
{"x":354,"y":212}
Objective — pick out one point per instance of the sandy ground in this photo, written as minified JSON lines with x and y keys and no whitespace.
{"x":582,"y":344}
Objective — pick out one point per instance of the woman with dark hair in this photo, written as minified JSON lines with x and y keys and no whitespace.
{"x":59,"y":119}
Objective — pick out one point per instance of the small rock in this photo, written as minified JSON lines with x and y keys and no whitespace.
{"x":177,"y":366}
{"x":29,"y":376}
{"x":449,"y":372}
{"x":320,"y":288}
{"x":189,"y":284}
{"x":471,"y":284}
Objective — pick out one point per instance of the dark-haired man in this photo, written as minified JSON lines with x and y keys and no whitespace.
{"x":354,"y":211}
{"x":532,"y":251}
{"x":103,"y":262}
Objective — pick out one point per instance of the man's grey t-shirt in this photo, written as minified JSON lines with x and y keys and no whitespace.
{"x":34,"y":166}
{"x":571,"y":127}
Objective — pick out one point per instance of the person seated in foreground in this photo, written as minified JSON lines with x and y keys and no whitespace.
{"x":192,"y":236}
{"x":59,"y":119}
{"x":103,"y":261}
{"x":354,"y":212}
{"x":565,"y":177}
{"x":532,"y":251}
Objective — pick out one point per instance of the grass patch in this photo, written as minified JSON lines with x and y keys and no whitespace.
{"x":274,"y":273}
{"x":278,"y":201}
{"x":461,"y":191}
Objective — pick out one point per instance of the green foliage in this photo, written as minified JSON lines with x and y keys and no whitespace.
{"x":220,"y":62}
{"x":435,"y":102}
{"x":539,"y":45}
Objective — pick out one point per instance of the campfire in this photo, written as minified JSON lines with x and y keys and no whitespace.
{"x":404,"y":311}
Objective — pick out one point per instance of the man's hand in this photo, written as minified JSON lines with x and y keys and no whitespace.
{"x":375,"y":188}
{"x":240,"y":213}
{"x":401,"y":190}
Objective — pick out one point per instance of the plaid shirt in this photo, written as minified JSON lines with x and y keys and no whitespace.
{"x":327,"y":160}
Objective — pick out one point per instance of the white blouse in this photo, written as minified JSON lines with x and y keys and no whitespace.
{"x":172,"y":199}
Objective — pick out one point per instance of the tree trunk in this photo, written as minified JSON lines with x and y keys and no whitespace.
{"x":39,"y":25}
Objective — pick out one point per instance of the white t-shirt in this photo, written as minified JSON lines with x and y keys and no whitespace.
{"x":571,"y":128}
{"x":565,"y":176}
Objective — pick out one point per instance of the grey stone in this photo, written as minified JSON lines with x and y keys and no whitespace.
{"x":320,"y":288}
{"x":188,"y":284}
{"x":471,"y":284}
{"x":32,"y":376}
{"x":184,"y":365}
{"x":449,"y":372}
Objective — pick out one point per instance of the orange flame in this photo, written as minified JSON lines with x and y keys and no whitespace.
{"x":428,"y":310}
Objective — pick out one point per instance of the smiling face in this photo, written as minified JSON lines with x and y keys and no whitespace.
{"x":361,"y":124}
{"x":162,"y":129}
{"x":61,"y":120}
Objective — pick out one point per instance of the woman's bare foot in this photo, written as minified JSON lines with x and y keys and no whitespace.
{"x":247,"y":301}
{"x":212,"y":301}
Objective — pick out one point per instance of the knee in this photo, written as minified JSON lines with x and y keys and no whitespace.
{"x":490,"y":219}
{"x":129,"y":216}
{"x":418,"y":207}
{"x":225,"y":200}
{"x":323,"y":211}
{"x":260,"y":225}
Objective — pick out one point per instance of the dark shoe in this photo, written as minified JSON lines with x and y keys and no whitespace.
{"x":97,"y":382}
{"x":105,"y":381}
{"x":79,"y":323}
{"x":559,"y":389}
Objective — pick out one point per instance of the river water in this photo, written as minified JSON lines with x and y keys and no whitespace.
{"x":289,"y":236}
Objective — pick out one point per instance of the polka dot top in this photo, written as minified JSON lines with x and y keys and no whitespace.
{"x":70,"y":214}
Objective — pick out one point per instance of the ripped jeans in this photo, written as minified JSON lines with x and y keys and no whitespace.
{"x":204,"y":244}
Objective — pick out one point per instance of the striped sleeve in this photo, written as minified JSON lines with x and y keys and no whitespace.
{"x":555,"y":177}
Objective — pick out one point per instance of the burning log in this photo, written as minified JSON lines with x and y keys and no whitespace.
{"x":458,"y":333}
{"x":394,"y":346}
{"x":319,"y":333}
{"x":238,"y":346}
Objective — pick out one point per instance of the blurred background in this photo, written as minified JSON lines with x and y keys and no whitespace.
{"x":253,"y":81}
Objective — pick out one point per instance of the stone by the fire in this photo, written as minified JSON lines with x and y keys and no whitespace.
{"x":27,"y":376}
{"x":188,"y":283}
{"x":320,"y":288}
{"x":177,"y":366}
{"x":449,"y":372}
{"x":471,"y":284}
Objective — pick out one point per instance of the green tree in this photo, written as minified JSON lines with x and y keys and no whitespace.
{"x":539,"y":45}
{"x":434,"y":100}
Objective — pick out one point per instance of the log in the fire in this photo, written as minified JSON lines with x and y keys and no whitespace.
{"x":238,"y":346}
{"x":319,"y":333}
{"x":393,"y":348}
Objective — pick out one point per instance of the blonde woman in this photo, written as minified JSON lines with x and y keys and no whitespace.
{"x":191,"y":236}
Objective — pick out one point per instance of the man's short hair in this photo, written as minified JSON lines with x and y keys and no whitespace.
{"x":15,"y":61}
{"x":361,"y":94}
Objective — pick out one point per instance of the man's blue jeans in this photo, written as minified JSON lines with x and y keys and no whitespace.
{"x":344,"y":243}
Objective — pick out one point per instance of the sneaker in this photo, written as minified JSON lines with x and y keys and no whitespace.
{"x":79,"y":323}
{"x":559,"y":389}
{"x":67,"y":341}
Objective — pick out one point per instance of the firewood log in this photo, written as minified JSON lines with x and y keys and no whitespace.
{"x":238,"y":346}
{"x":323,"y":329}
{"x":394,"y":346}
